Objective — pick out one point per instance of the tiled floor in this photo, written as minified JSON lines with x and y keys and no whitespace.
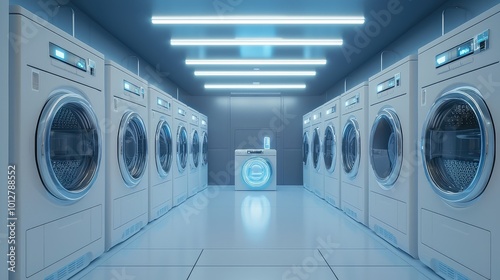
{"x":222,"y":234}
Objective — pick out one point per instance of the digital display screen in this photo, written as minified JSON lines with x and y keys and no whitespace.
{"x":386,"y":85}
{"x":67,"y":57}
{"x":181,"y":112}
{"x":332,"y":110}
{"x":163,"y":103}
{"x":131,"y":88}
{"x":455,"y":53}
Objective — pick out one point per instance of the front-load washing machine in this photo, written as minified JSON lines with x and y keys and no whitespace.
{"x":331,"y":151}
{"x":393,"y":154}
{"x":194,"y":152}
{"x":317,"y":174}
{"x":255,"y":170}
{"x":458,"y":180}
{"x":180,"y":187}
{"x":127,"y":154}
{"x":161,"y":150}
{"x":57,"y":173}
{"x":354,"y":177}
{"x":203,"y":152}
{"x":306,"y":151}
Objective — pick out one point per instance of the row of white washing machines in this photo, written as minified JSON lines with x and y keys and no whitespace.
{"x":97,"y":152}
{"x":412,"y":152}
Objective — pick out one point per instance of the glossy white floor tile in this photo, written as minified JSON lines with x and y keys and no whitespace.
{"x":286,"y":234}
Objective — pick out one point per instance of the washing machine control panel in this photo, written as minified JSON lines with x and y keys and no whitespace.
{"x":477,"y":44}
{"x":128,"y":86}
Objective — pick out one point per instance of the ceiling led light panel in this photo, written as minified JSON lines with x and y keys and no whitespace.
{"x":256,"y":42}
{"x":255,"y":61}
{"x":258,"y":20}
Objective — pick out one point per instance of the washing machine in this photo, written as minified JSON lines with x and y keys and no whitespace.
{"x":203,"y":152}
{"x":331,"y":151}
{"x":255,"y":170}
{"x":458,"y":180}
{"x":56,"y":184}
{"x":354,"y":155}
{"x":393,"y":150}
{"x":161,"y":150}
{"x":127,"y":154}
{"x":306,"y":151}
{"x":317,"y":168}
{"x":194,"y":152}
{"x":181,"y":143}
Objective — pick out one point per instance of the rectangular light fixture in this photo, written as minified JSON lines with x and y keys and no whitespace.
{"x":255,"y":73}
{"x":256,"y":42}
{"x":258,"y":20}
{"x":255,"y":93}
{"x":255,"y":86}
{"x":255,"y":61}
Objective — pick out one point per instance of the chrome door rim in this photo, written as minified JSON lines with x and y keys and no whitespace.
{"x":305,"y":148}
{"x":334,"y":148}
{"x":164,"y":127}
{"x":182,"y":148}
{"x":131,"y":180}
{"x":264,"y":181}
{"x":204,"y":148}
{"x":316,"y":156}
{"x":194,"y":150}
{"x":474,"y":100}
{"x":389,"y":115}
{"x":351,"y":172}
{"x":43,"y":144}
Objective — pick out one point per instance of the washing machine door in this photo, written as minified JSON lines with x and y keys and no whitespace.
{"x":386,"y":148}
{"x":458,"y":145}
{"x":164,"y":149}
{"x":182,"y":148}
{"x":330,"y":149}
{"x":305,"y":148}
{"x":316,"y":148}
{"x":132,"y":148}
{"x":351,"y":148}
{"x":256,"y":172}
{"x":195,"y":150}
{"x":68,"y":146}
{"x":204,"y":150}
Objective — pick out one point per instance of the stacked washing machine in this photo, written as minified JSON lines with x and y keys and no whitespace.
{"x":393,"y":154}
{"x":306,"y":151}
{"x":57,"y":105}
{"x":331,"y":151}
{"x":203,"y":152}
{"x":317,"y":174}
{"x":181,"y":143}
{"x":354,"y":177}
{"x":194,"y":152}
{"x":161,"y":149}
{"x":127,"y":154}
{"x":458,"y":180}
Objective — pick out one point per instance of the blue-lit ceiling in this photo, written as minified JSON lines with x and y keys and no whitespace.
{"x":130,"y":22}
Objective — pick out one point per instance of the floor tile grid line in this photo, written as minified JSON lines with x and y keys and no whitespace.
{"x":329,"y":266}
{"x":194,"y":265}
{"x":427,"y":272}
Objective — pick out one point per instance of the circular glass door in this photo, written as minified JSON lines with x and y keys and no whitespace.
{"x":351,"y":148}
{"x":458,"y":145}
{"x":195,"y":149}
{"x":386,"y":147}
{"x":68,"y":146}
{"x":330,"y":149}
{"x":256,"y":172}
{"x":132,"y":148}
{"x":204,"y":150}
{"x":182,"y":148}
{"x":163,"y":149}
{"x":305,"y":148}
{"x":316,"y":148}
